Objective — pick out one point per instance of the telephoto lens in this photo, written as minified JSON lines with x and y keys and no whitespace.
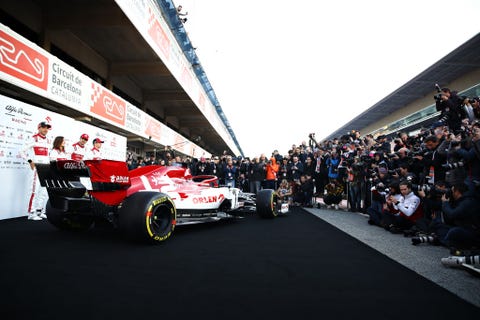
{"x":458,"y":261}
{"x":432,"y":239}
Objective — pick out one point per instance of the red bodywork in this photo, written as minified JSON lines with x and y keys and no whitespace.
{"x":125,"y":182}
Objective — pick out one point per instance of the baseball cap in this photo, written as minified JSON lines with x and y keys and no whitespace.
{"x":44,"y":124}
{"x":84,"y":136}
{"x":98,"y":140}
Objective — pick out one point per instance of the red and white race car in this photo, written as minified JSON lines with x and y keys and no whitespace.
{"x":145,"y":203}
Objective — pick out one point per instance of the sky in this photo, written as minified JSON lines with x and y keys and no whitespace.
{"x":282,"y":69}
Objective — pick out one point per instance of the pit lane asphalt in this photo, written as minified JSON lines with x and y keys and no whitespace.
{"x":424,"y":259}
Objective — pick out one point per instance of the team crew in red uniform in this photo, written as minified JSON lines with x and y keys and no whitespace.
{"x":95,"y":153}
{"x":36,"y":150}
{"x":58,"y":150}
{"x":79,"y":149}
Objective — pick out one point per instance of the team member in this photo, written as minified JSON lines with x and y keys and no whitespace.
{"x":95,"y":153}
{"x":58,"y":150}
{"x":79,"y":149}
{"x":36,"y":150}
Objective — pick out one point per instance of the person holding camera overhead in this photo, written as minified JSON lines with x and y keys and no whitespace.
{"x":450,"y":107}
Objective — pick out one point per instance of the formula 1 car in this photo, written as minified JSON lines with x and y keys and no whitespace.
{"x":145,"y":203}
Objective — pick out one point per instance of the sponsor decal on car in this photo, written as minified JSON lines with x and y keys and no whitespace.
{"x":119,"y":179}
{"x":74,"y":165}
{"x":208,"y":199}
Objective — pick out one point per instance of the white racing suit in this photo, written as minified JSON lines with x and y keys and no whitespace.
{"x":36,"y":150}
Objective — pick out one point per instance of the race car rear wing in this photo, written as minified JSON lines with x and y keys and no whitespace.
{"x":106,"y":180}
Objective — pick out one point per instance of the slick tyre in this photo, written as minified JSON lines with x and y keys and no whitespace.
{"x":265,"y":203}
{"x":66,"y":220}
{"x":147,"y":217}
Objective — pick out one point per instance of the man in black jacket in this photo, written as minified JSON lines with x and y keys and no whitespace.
{"x":464,"y":214}
{"x":461,"y":226}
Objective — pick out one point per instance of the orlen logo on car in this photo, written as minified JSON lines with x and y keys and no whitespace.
{"x":208,"y":199}
{"x":23,"y":62}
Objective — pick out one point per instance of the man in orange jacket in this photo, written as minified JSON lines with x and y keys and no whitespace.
{"x":271,"y":169}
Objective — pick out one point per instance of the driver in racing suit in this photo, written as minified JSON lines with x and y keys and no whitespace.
{"x":78,"y":149}
{"x":36,"y":150}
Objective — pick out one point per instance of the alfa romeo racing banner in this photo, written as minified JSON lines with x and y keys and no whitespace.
{"x":18,"y":122}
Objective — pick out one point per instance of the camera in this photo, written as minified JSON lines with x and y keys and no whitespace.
{"x":453,"y":165}
{"x":447,"y":192}
{"x":439,"y":94}
{"x":394,"y":171}
{"x":422,"y":187}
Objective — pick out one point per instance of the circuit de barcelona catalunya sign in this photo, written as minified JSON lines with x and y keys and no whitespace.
{"x":26,"y":65}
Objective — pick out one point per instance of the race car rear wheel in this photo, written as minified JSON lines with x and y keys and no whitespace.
{"x":147,"y":217}
{"x":67,"y":220}
{"x":265,"y":203}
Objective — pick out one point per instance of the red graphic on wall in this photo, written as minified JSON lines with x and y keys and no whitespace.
{"x":153,"y":129}
{"x":23,"y":62}
{"x":155,"y":31}
{"x":107,"y":105}
{"x":186,"y":79}
{"x":201,"y":101}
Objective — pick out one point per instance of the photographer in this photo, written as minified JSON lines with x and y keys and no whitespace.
{"x":408,"y":206}
{"x":449,"y":105}
{"x":402,"y":173}
{"x":383,"y":145}
{"x":271,"y":169}
{"x":462,"y":217}
{"x":334,"y":194}
{"x":471,"y":156}
{"x":379,"y":179}
{"x":332,"y":164}
{"x":295,"y":170}
{"x":355,"y":178}
{"x":230,"y":172}
{"x":283,"y":172}
{"x":320,"y":175}
{"x":377,"y":217}
{"x":167,"y":154}
{"x":432,"y":160}
{"x":303,"y":192}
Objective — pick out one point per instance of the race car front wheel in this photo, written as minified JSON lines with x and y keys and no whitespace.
{"x":147,"y":217}
{"x":265,"y":203}
{"x":65,"y":220}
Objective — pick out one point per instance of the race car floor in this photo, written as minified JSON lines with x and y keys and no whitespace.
{"x":293,"y":267}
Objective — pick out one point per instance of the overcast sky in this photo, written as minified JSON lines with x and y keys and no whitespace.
{"x":282,"y":68}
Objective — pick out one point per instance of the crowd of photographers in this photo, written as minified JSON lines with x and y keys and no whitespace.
{"x":426,"y":186}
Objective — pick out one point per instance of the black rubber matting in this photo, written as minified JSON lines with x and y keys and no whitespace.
{"x":291,"y":267}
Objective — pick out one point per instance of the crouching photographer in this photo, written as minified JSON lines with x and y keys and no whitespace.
{"x":389,"y":196}
{"x":409,"y":209}
{"x":460,"y":228}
